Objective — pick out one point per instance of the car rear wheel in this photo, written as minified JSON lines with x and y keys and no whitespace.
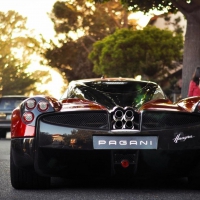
{"x":26,"y":179}
{"x":194,"y":182}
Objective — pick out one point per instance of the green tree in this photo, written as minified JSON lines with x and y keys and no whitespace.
{"x":16,"y":46}
{"x":128,"y":53}
{"x":191,"y":11}
{"x":94,"y":21}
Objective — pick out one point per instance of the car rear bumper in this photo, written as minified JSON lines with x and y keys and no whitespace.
{"x":70,"y":152}
{"x":60,"y":137}
{"x":56,"y":162}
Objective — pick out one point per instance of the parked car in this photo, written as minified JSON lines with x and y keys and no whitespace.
{"x":105,"y":128}
{"x":7,"y":105}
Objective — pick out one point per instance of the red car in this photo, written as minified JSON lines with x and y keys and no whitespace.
{"x":104,"y":128}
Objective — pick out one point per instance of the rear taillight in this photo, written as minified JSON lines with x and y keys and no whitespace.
{"x":30,"y":104}
{"x":124,"y":163}
{"x":28,"y":117}
{"x":43,"y":106}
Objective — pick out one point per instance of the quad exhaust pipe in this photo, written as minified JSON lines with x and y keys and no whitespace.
{"x":118,"y":125}
{"x":123,"y":119}
{"x":129,"y":115}
{"x":118,"y":115}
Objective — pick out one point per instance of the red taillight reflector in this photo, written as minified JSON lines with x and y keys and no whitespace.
{"x":30,"y":104}
{"x":28,"y":117}
{"x":43,"y":106}
{"x":124,"y":163}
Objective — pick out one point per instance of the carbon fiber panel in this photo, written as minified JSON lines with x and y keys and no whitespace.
{"x":166,"y":120}
{"x":90,"y":120}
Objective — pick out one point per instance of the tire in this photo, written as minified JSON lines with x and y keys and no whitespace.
{"x":27,"y":179}
{"x":194,"y":182}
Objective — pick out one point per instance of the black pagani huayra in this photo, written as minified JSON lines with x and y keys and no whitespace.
{"x":104,"y":128}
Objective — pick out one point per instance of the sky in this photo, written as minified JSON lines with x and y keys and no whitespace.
{"x":37,"y":20}
{"x":36,"y":13}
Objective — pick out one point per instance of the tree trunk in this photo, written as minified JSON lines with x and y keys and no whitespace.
{"x":191,"y":57}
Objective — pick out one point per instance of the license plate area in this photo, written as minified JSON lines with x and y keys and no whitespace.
{"x":125,"y":142}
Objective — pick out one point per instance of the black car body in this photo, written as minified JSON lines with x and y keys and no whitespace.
{"x":111,"y":127}
{"x":7,"y":104}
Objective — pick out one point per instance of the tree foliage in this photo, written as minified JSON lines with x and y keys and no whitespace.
{"x":13,"y":78}
{"x":191,"y":11}
{"x":93,"y":21}
{"x":71,"y":58}
{"x":128,"y":53}
{"x":16,"y":46}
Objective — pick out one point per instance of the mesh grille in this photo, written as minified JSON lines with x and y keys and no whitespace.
{"x":157,"y":120}
{"x":79,"y":119}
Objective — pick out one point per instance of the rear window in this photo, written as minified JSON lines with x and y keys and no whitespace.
{"x":10,"y":103}
{"x":116,"y":93}
{"x":117,"y":86}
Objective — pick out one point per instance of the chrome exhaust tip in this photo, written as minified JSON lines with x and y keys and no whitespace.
{"x":118,"y":125}
{"x":118,"y":115}
{"x":129,"y":125}
{"x":129,"y":115}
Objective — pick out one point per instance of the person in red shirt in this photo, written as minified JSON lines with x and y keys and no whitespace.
{"x":194,"y":87}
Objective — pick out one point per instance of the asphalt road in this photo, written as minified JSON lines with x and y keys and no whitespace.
{"x":61,"y":189}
